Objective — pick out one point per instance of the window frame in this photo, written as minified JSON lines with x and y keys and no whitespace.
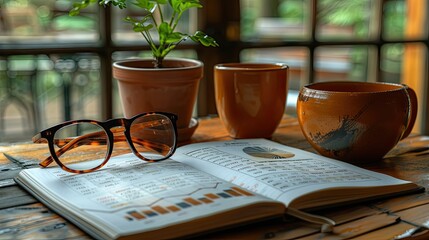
{"x":221,"y":19}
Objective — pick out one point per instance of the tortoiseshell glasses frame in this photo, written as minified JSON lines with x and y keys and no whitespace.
{"x":151,"y":137}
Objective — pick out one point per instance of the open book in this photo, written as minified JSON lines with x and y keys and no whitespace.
{"x":204,"y":187}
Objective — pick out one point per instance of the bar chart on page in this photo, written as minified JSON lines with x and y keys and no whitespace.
{"x":186,"y":202}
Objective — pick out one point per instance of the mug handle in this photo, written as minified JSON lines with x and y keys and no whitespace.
{"x":413,"y":111}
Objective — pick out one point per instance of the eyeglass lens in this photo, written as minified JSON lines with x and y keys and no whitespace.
{"x":81,"y":138}
{"x":152,"y":136}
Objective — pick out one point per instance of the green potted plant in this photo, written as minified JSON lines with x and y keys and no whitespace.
{"x":158,"y":84}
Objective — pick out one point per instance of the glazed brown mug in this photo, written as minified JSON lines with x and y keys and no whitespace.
{"x":356,"y":121}
{"x":250,"y":97}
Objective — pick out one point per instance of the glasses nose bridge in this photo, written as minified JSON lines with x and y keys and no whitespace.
{"x":118,"y":126}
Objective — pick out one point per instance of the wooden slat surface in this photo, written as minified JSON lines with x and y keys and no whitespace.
{"x":406,"y":217}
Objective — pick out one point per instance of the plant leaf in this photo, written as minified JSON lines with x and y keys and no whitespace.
{"x":159,"y":1}
{"x":164,"y":31}
{"x":175,"y":4}
{"x":187,"y":4}
{"x":145,"y":4}
{"x":204,"y":39}
{"x":139,"y":25}
{"x":174,"y":37}
{"x":180,"y":6}
{"x":142,"y":28}
{"x":118,"y":3}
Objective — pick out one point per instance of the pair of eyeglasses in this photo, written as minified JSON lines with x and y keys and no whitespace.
{"x":151,"y":136}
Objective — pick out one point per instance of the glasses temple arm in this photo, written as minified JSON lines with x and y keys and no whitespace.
{"x":158,"y":147}
{"x":67,"y":144}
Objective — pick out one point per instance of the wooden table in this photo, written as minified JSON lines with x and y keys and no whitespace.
{"x":406,"y":217}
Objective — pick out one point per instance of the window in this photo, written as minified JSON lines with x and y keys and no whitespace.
{"x":54,"y":67}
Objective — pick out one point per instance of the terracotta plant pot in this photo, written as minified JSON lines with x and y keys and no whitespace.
{"x":174,"y":89}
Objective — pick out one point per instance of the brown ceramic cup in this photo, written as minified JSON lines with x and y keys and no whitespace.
{"x":250,"y":97}
{"x":356,"y":121}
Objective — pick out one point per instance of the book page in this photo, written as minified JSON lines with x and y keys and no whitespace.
{"x":274,"y":170}
{"x":129,"y":195}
